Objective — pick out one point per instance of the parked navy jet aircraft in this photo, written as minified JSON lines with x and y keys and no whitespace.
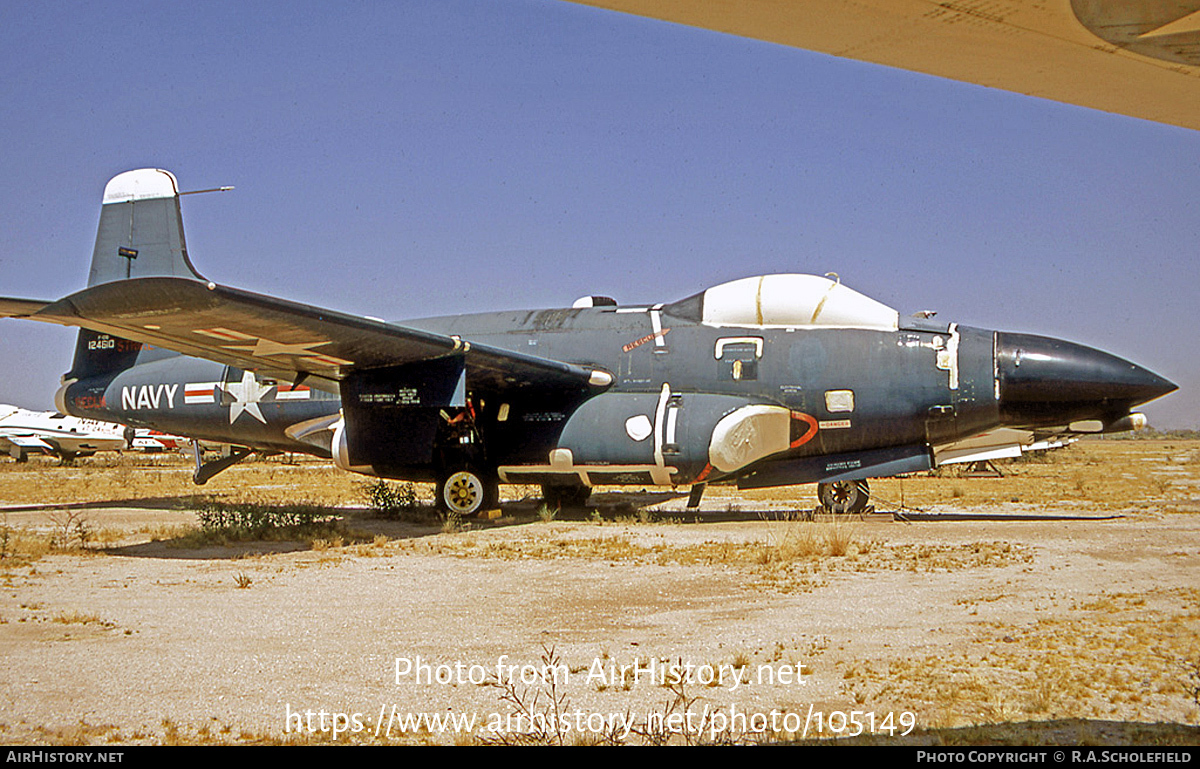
{"x":766,"y":381}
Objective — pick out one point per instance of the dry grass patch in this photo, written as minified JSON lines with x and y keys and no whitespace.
{"x":71,"y":531}
{"x":75,"y":617}
{"x":610,"y":548}
{"x":20,"y":547}
{"x":793,"y":556}
{"x":1102,"y":475}
{"x":797,"y":540}
{"x":110,"y":477}
{"x":1121,"y":657}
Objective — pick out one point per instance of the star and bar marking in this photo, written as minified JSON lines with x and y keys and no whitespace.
{"x":261,"y":347}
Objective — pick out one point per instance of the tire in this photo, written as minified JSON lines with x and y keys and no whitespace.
{"x":557,"y":497}
{"x":844,"y":496}
{"x":579,"y":496}
{"x":466,"y":492}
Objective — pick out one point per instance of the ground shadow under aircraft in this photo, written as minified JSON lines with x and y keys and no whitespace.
{"x":361,"y":525}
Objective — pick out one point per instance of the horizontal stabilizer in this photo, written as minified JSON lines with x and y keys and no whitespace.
{"x":28,"y":442}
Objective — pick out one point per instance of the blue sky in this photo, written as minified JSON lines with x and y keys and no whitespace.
{"x":407,"y":159}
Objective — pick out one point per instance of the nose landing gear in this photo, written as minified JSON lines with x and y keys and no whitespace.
{"x":844,"y":496}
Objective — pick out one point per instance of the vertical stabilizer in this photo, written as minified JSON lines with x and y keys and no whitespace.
{"x":140,"y":236}
{"x":141,"y":229}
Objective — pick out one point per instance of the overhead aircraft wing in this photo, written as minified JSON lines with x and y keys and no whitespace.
{"x":283,"y":339}
{"x":1133,"y":57}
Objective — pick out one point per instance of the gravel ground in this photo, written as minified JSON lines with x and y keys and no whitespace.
{"x":664,"y":630}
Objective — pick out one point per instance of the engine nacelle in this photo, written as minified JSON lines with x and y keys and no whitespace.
{"x":665,"y":439}
{"x":341,"y":451}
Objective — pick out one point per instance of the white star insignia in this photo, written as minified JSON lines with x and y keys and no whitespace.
{"x":246,"y":396}
{"x":266,"y":348}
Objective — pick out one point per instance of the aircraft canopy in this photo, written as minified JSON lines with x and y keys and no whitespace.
{"x":786,"y":301}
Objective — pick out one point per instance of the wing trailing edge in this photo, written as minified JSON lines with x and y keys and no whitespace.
{"x":284,"y":339}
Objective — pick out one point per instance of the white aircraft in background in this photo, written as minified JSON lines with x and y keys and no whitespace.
{"x":150,"y":441}
{"x":23,"y":432}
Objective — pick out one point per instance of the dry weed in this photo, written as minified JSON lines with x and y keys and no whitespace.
{"x":75,"y":617}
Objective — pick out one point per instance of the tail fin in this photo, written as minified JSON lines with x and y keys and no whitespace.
{"x":141,"y":229}
{"x":140,"y":236}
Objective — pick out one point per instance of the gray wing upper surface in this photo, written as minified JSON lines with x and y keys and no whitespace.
{"x":279,"y":338}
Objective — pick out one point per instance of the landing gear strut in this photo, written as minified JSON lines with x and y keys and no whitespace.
{"x":205,"y":470}
{"x":844,"y":496}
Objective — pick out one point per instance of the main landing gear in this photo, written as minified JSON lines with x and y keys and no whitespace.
{"x":559,"y":497}
{"x":844,"y":496}
{"x":467,"y":491}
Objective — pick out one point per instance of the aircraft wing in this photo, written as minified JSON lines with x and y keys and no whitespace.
{"x":1133,"y":57}
{"x":283,"y":339}
{"x":19,"y":308}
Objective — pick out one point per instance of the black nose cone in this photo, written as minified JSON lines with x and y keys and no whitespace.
{"x":1045,"y":381}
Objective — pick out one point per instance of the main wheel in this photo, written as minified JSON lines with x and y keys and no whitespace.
{"x":565,"y":496}
{"x":844,"y":496}
{"x":580,"y":496}
{"x":466,"y":492}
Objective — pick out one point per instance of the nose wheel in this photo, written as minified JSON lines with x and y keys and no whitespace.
{"x":466,"y":492}
{"x":844,"y":496}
